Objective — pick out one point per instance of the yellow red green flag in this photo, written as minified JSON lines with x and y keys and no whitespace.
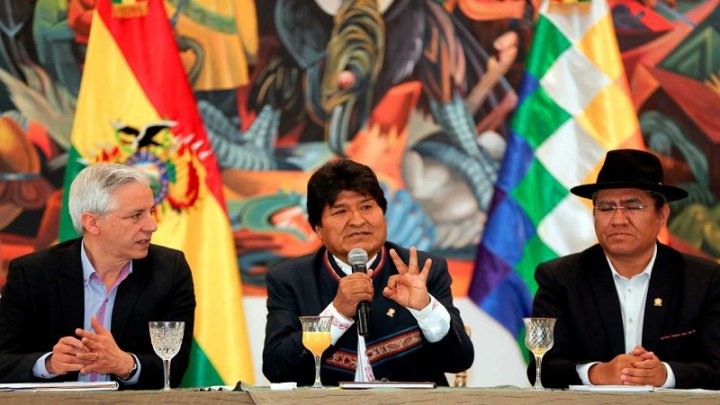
{"x":136,"y":107}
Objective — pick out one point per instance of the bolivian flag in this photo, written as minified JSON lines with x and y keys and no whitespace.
{"x":136,"y":107}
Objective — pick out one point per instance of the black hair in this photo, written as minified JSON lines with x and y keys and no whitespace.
{"x":659,"y":199}
{"x":337,"y":176}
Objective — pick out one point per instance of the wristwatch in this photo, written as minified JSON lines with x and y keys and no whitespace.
{"x":132,"y":371}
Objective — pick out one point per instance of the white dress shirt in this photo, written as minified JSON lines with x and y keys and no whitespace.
{"x":433,"y":320}
{"x":632,"y":294}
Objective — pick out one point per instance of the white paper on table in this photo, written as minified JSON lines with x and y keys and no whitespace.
{"x":283,"y":386}
{"x":386,"y":384}
{"x":612,"y":388}
{"x":687,"y":390}
{"x":62,"y":386}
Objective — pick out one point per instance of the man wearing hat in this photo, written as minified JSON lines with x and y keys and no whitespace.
{"x":630,"y":310}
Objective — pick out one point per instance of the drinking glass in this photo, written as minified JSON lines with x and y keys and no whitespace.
{"x":316,"y":338}
{"x":539,"y":339}
{"x":166,"y":338}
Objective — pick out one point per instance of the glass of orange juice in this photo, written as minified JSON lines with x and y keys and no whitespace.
{"x":316,"y":338}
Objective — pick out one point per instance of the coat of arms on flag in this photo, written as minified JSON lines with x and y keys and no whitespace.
{"x":171,"y":161}
{"x":129,"y":8}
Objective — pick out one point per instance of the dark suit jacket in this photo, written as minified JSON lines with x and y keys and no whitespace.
{"x":681,"y":324}
{"x":305,"y":286}
{"x":42,"y":301}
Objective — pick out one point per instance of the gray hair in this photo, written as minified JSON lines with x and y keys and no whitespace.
{"x":91,"y":190}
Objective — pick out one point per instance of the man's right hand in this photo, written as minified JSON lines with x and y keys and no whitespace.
{"x":353,"y":289}
{"x":609,"y":373}
{"x":64,"y":356}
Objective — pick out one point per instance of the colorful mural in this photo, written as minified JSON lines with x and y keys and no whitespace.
{"x":420,"y":90}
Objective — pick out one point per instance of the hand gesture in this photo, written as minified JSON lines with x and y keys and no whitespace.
{"x":610,"y":373}
{"x":102,"y":352}
{"x":408,"y":288}
{"x":65,"y":356}
{"x":647,"y":371}
{"x":353,"y":289}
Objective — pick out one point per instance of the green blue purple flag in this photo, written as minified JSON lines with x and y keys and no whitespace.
{"x":574,"y":106}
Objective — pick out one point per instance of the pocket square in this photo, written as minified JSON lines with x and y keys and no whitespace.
{"x":678,"y":335}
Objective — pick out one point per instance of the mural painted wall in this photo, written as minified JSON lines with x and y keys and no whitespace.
{"x":420,"y":90}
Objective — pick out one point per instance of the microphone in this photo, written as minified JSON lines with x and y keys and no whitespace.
{"x":358,"y":260}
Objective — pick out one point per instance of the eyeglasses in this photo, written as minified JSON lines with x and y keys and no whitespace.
{"x":629,"y":209}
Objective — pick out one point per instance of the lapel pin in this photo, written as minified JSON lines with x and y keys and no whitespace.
{"x":657,"y":302}
{"x":391,"y":312}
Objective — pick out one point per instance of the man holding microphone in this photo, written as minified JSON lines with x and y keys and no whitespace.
{"x":411,"y":332}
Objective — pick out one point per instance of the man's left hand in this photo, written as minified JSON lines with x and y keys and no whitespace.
{"x":409,"y":288}
{"x":106,"y":356}
{"x":648,"y":371}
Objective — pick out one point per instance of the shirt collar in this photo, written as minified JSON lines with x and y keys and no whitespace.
{"x":647,"y":271}
{"x":87,"y":267}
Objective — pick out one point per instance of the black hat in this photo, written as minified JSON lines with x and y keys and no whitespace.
{"x":631,"y":168}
